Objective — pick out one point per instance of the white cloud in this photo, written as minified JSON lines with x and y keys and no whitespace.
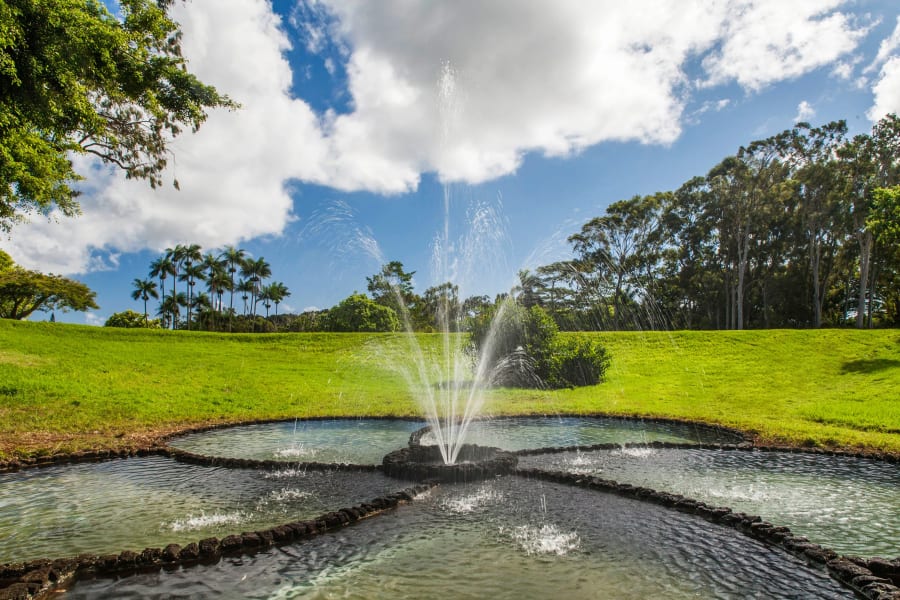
{"x":805,"y":112}
{"x":767,"y":41}
{"x":887,"y":91}
{"x":886,"y":48}
{"x":547,"y":77}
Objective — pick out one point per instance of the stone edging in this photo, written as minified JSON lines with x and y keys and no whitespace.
{"x":161,"y":446}
{"x":875,"y":578}
{"x":746,"y":446}
{"x":250,"y":463}
{"x":37,"y":579}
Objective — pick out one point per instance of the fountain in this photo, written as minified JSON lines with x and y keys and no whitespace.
{"x":510,"y":508}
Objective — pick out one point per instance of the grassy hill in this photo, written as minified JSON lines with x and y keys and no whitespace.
{"x":67,"y":387}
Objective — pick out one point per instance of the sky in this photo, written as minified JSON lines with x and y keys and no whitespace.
{"x":466,"y":139}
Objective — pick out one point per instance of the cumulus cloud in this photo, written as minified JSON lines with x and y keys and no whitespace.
{"x":529,"y":76}
{"x":805,"y":112}
{"x":768,"y":41}
{"x":887,"y":91}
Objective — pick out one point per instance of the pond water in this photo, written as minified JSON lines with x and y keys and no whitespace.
{"x":505,"y":539}
{"x":851,"y":505}
{"x":525,"y":433}
{"x":351,"y":441}
{"x":134,"y":503}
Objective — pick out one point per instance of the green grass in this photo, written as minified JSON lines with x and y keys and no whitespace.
{"x":65,"y":387}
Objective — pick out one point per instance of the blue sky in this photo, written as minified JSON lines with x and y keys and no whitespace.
{"x":360,"y":118}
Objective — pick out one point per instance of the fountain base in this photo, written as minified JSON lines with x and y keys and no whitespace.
{"x":474,"y":463}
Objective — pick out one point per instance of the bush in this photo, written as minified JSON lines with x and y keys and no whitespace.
{"x":130,"y":319}
{"x":358,"y":312}
{"x":520,"y":347}
{"x":578,"y":361}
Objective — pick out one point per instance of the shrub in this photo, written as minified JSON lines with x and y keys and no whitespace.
{"x":358,"y":312}
{"x":130,"y":319}
{"x":521,"y":347}
{"x":578,"y":361}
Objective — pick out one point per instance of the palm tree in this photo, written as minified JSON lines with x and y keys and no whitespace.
{"x":144,"y":289}
{"x":245,"y":287}
{"x":202,"y":305}
{"x":192,"y":273}
{"x":171,"y":305}
{"x":192,"y":255}
{"x":264,"y":295}
{"x":162,"y":267}
{"x":234,"y":258}
{"x":217,"y":282}
{"x":278,"y":292}
{"x":256,"y":271}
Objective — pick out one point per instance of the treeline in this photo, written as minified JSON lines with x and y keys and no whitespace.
{"x":801,"y":229}
{"x":231,"y":272}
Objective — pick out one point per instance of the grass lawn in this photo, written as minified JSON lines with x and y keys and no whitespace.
{"x":67,"y":387}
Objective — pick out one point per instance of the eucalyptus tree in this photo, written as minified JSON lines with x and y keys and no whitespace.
{"x":813,"y":154}
{"x":739,"y":186}
{"x":870,"y":162}
{"x":621,"y":247}
{"x":144,"y":289}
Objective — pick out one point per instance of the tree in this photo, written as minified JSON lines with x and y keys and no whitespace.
{"x":440,"y":309}
{"x":245,"y":287}
{"x":76,"y":79}
{"x":393,"y":287}
{"x":234,"y":258}
{"x":170,"y":307}
{"x":256,"y":271}
{"x":144,"y":289}
{"x":621,"y":247}
{"x":191,"y":275}
{"x":814,"y":153}
{"x":358,"y":312}
{"x":277,"y":292}
{"x":22,"y":292}
{"x":131,"y":320}
{"x":162,"y":267}
{"x":872,"y":162}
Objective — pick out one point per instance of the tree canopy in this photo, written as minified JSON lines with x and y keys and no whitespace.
{"x":76,"y":79}
{"x":23,"y":292}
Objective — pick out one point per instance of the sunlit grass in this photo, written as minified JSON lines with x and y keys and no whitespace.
{"x":66,"y":387}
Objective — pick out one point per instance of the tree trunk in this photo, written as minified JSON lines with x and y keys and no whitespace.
{"x":815,"y":258}
{"x":865,"y":250}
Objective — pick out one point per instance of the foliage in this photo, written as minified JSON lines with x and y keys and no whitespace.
{"x":578,"y":361}
{"x":521,"y":347}
{"x":130,"y":319}
{"x":358,"y":312}
{"x":791,"y":231}
{"x":22,"y":292}
{"x":78,"y":79}
{"x":884,"y":218}
{"x":393,"y":287}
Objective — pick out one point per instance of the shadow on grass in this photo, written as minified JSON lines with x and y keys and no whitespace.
{"x":869,"y":365}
